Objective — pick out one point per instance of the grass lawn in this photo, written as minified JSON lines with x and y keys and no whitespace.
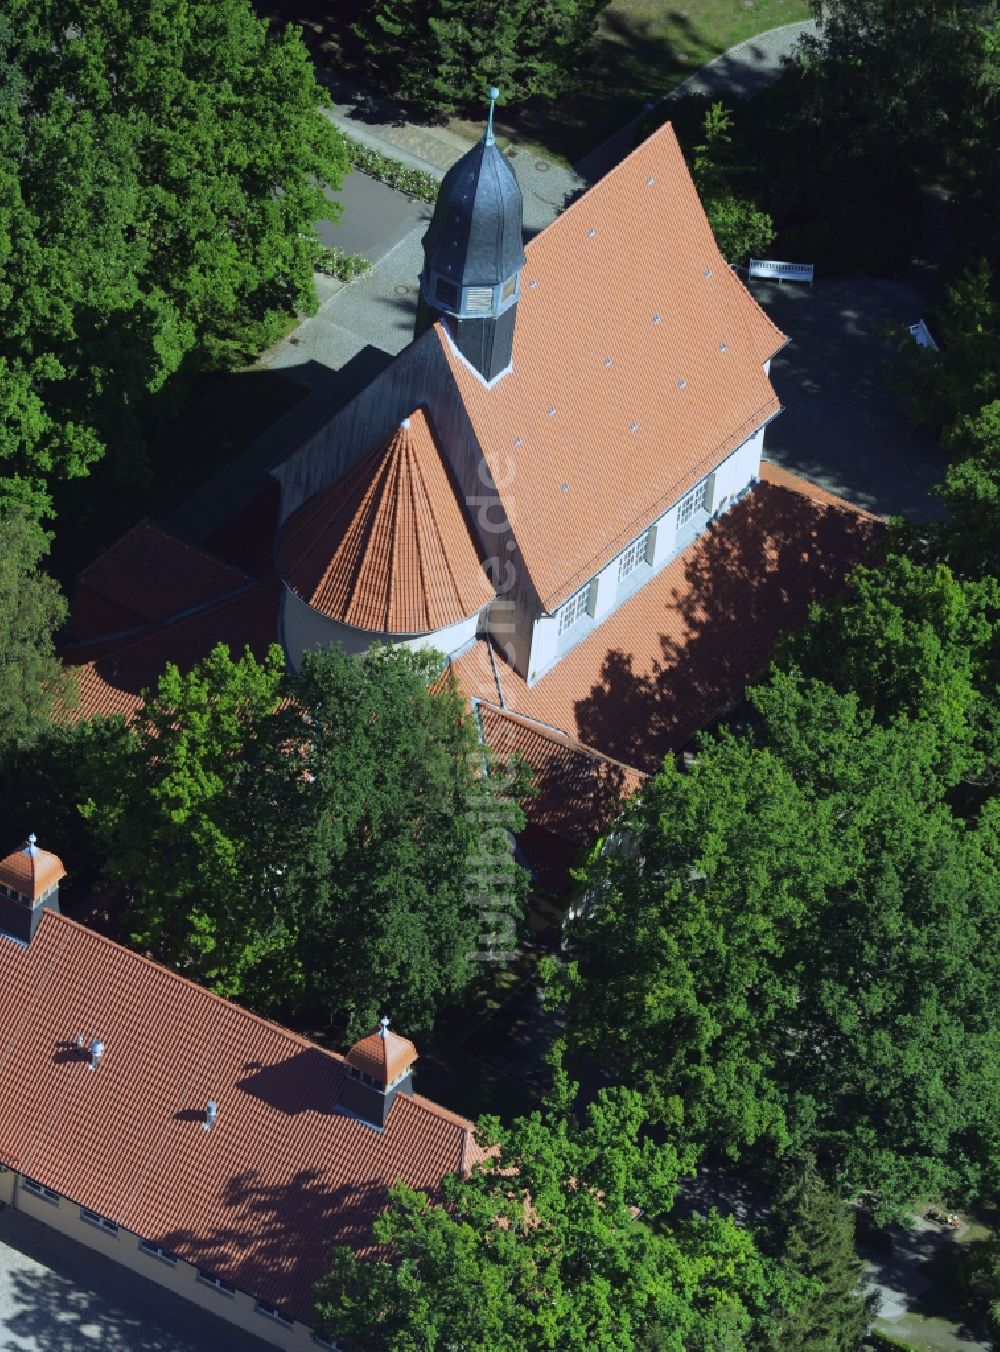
{"x":644,"y":48}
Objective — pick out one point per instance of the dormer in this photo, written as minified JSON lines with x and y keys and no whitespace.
{"x":29,"y":885}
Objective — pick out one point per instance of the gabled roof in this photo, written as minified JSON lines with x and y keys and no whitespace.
{"x":578,"y":790}
{"x":679,"y":652}
{"x":31,"y":871}
{"x":111,"y":675}
{"x":637,"y":367}
{"x":144,"y":578}
{"x":260,"y":1198}
{"x":387,"y":547}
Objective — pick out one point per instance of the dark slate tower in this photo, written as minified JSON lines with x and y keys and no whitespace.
{"x":473,"y":255}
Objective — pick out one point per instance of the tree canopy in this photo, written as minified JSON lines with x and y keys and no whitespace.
{"x":794,"y":952}
{"x":442,"y":54}
{"x":31,"y":610}
{"x":162,"y":168}
{"x":319,"y":841}
{"x":542,"y":1248}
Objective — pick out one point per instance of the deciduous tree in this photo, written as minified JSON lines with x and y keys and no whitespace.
{"x":442,"y":54}
{"x":31,"y":610}
{"x":542,"y":1248}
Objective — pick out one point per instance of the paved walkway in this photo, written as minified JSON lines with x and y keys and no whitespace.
{"x":910,"y":1308}
{"x":56,"y":1296}
{"x":378,"y":309}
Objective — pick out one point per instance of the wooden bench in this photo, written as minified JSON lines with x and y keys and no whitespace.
{"x":922,"y":336}
{"x":783,"y":272}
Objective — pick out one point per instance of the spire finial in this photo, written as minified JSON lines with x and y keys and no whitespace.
{"x":384,"y":1030}
{"x":492,"y":94}
{"x":31,"y":843}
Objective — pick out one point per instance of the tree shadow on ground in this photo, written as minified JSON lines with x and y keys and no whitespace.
{"x":750,"y":578}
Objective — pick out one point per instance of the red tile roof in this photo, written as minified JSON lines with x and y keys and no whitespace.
{"x":387,"y":547}
{"x":144,"y":578}
{"x":259,"y":1199}
{"x":679,"y":652}
{"x":31,"y":871}
{"x":383,"y":1055}
{"x":112,"y":675}
{"x":637,"y":367}
{"x":578,"y":790}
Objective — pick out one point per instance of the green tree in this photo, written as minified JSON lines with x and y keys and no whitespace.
{"x":441,"y":54}
{"x":794,"y":951}
{"x":31,"y":609}
{"x":162,"y":169}
{"x":400,"y":848}
{"x":979,"y":1281}
{"x":541,"y":1248}
{"x":178,"y":789}
{"x":830,"y":1312}
{"x":741,"y":229}
{"x":911,"y":639}
{"x":955,"y":382}
{"x":343,"y":852}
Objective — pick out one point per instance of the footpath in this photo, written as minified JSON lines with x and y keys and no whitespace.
{"x":359,"y":326}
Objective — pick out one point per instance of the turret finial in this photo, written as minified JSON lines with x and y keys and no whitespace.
{"x":492,"y":94}
{"x":384,"y":1029}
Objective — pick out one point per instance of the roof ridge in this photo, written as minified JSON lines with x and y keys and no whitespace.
{"x":157,"y":528}
{"x":560,"y":738}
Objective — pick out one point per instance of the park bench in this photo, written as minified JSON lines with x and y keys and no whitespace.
{"x":784,"y":272}
{"x":922,"y":336}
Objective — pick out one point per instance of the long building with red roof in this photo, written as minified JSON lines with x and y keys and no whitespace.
{"x":198,"y":1144}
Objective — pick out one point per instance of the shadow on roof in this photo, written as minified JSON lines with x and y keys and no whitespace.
{"x":750,"y":579}
{"x":308,"y":1082}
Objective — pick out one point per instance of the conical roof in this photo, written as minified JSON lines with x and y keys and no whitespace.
{"x":386,"y":547}
{"x":475,"y":237}
{"x":382,"y":1055}
{"x":30,"y":871}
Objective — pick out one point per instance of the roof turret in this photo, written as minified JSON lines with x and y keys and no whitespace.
{"x":474,"y":246}
{"x":30,"y":871}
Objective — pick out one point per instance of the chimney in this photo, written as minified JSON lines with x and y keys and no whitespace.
{"x":96,"y":1051}
{"x":29,"y":885}
{"x":379,"y":1067}
{"x":211,"y":1113}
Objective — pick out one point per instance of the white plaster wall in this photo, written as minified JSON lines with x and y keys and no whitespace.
{"x":181,"y":1279}
{"x":303,"y":627}
{"x":7,"y":1187}
{"x":544,"y":640}
{"x":602,"y":598}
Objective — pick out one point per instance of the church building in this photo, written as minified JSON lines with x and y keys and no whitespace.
{"x":558,"y":485}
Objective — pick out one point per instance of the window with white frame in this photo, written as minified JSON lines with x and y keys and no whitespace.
{"x":154,"y":1251}
{"x":40,"y":1190}
{"x":691,"y":503}
{"x":633,"y":556}
{"x":210,"y":1279}
{"x":574,"y":609}
{"x":95,"y":1218}
{"x":272,"y":1312}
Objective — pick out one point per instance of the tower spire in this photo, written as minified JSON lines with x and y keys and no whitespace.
{"x":492,"y":94}
{"x":473,"y":256}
